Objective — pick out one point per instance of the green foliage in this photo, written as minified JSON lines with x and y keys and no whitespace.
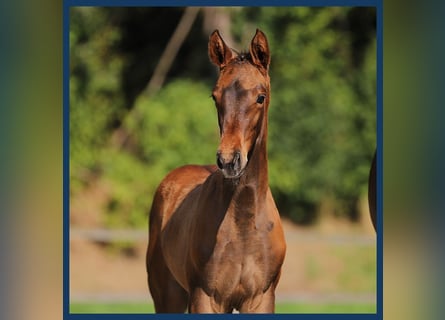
{"x":129,"y":187}
{"x":95,"y":91}
{"x":178,"y":126}
{"x":189,"y":135}
{"x":321,"y":119}
{"x":323,"y":107}
{"x":168,"y":135}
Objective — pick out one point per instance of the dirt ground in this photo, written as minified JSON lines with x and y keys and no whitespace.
{"x":318,"y":261}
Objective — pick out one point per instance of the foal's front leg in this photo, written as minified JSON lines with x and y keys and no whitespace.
{"x":264,"y":303}
{"x":201,"y":302}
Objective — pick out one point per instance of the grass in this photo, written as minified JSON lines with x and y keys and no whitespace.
{"x":326,"y":308}
{"x":280,"y":308}
{"x":111,"y":308}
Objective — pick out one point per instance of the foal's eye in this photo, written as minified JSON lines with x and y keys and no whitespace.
{"x":261,"y":98}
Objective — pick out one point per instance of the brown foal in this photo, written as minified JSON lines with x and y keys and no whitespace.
{"x":215,"y":237}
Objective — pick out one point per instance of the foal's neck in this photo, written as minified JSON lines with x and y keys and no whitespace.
{"x":255,"y":178}
{"x":257,"y":168}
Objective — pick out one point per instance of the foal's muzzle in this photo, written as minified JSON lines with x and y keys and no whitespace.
{"x":230,"y":164}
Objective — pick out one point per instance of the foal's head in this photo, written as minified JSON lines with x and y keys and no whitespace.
{"x":241,"y":95}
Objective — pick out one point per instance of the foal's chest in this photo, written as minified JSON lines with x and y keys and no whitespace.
{"x":241,"y":266}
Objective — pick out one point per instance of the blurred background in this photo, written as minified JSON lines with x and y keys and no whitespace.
{"x":140,"y":85}
{"x":31,"y":99}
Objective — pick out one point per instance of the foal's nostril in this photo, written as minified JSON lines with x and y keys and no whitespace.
{"x":236,"y":160}
{"x":219,"y":161}
{"x":230,"y":163}
{"x":236,"y":157}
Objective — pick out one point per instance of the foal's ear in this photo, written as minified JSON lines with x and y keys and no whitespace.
{"x":219,"y":53}
{"x":259,"y":50}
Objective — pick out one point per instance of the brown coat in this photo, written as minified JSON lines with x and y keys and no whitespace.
{"x":215,"y":237}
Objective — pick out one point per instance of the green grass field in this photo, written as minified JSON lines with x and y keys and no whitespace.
{"x":280,"y":308}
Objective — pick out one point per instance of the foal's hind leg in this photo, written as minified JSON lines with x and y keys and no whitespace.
{"x":167,"y":294}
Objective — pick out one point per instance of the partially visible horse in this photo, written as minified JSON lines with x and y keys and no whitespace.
{"x":372,"y":191}
{"x":215,"y":237}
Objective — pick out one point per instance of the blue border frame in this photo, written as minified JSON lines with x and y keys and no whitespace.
{"x":66,"y":159}
{"x":378,"y":4}
{"x":228,"y":3}
{"x":379,"y":167}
